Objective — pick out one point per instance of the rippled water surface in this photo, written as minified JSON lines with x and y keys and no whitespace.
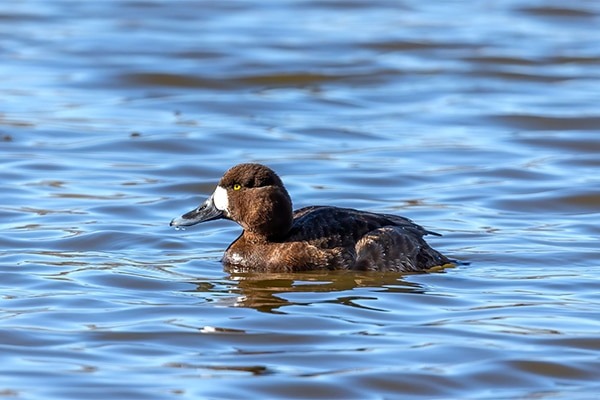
{"x":479,"y":120}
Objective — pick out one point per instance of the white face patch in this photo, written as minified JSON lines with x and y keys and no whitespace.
{"x":220,"y":199}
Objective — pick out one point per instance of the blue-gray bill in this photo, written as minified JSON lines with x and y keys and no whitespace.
{"x":207,"y":211}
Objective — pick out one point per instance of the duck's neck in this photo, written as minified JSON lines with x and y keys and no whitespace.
{"x":273,"y":220}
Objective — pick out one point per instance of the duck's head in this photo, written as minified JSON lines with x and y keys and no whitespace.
{"x":251,"y":195}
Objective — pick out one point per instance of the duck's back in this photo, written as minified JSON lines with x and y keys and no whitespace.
{"x":363,"y":240}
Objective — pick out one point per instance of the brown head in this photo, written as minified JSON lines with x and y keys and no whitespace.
{"x":251,"y":195}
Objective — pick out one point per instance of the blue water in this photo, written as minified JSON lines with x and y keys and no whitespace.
{"x":477,"y":120}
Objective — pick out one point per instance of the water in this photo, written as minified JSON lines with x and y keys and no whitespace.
{"x":478,"y":120}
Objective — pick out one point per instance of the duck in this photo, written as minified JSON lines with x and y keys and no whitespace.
{"x":275,"y":238}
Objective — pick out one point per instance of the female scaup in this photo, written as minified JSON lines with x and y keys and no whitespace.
{"x":277,"y":239}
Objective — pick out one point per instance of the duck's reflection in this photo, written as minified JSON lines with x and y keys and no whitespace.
{"x":271,"y":292}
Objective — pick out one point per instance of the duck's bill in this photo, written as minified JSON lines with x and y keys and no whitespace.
{"x":205,"y":212}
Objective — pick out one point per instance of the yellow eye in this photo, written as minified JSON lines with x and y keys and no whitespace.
{"x":237,"y":186}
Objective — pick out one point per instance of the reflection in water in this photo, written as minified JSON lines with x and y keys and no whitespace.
{"x":266,"y":292}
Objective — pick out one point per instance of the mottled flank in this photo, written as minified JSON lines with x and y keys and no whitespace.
{"x":276,"y":239}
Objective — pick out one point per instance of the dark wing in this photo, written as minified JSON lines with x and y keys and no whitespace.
{"x":365,"y":241}
{"x":334,"y":226}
